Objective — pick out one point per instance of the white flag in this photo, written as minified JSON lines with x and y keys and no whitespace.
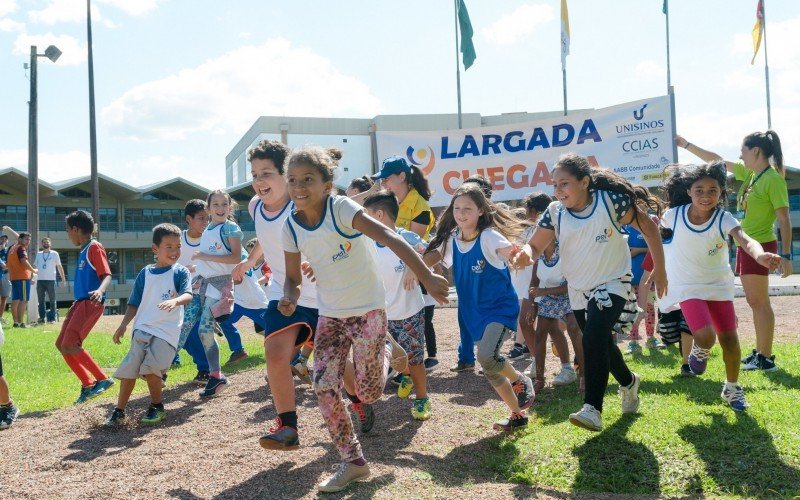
{"x":564,"y":33}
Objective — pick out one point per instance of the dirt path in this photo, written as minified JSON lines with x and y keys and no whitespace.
{"x":210,"y":449}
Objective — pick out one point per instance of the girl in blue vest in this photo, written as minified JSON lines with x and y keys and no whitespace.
{"x":473,"y":238}
{"x":593,"y":204}
{"x":699,"y":271}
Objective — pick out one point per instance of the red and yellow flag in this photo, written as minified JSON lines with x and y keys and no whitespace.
{"x":758,"y":29}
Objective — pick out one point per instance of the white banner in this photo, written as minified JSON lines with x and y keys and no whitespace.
{"x":634,"y":139}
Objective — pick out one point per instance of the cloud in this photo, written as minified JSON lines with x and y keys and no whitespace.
{"x":649,"y":69}
{"x":53,"y":167}
{"x":73,"y":52}
{"x":231,"y":91}
{"x":7,"y":25}
{"x":132,"y":7}
{"x":517,"y":25}
{"x":7,"y":7}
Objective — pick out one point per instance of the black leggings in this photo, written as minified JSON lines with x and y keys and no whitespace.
{"x":601,"y":354}
{"x":430,"y":333}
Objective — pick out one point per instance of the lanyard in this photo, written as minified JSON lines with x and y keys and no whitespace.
{"x":742,"y":200}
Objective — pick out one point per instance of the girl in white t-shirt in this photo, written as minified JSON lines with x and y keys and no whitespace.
{"x":698,"y":267}
{"x":593,"y":203}
{"x":219,"y":252}
{"x":329,"y":230}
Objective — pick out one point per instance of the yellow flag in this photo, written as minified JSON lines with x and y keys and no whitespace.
{"x":758,"y":29}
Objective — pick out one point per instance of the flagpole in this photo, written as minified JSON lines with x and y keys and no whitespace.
{"x":669,"y":75}
{"x":564,"y":84}
{"x":766,"y":62}
{"x":458,"y":67}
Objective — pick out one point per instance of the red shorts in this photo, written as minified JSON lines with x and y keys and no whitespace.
{"x":746,"y":265}
{"x":80,"y":320}
{"x":702,"y":313}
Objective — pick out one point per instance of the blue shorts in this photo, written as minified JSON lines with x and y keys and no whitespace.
{"x":21,"y":290}
{"x":305,"y":317}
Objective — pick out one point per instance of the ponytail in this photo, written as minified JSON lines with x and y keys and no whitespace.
{"x":417,"y":180}
{"x":770,"y":144}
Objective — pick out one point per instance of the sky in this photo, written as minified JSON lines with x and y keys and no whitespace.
{"x":178,"y":82}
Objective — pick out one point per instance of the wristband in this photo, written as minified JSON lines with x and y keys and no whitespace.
{"x":686,"y":147}
{"x":786,"y":256}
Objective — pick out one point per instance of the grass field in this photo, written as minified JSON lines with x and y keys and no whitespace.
{"x":41,"y":380}
{"x":684,"y":441}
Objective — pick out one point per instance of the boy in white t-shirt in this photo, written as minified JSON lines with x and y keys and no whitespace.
{"x":159,"y":294}
{"x":404,"y":303}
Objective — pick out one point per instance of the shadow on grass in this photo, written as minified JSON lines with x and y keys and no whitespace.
{"x":611,"y":463}
{"x":104,"y":441}
{"x":476,"y":392}
{"x":741,"y":458}
{"x":784,"y":378}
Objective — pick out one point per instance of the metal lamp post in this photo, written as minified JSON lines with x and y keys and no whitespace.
{"x":53,"y":54}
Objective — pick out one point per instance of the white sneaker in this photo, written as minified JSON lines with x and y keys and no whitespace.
{"x":565,"y":377}
{"x":531,"y":369}
{"x":630,"y":397}
{"x":345,"y":474}
{"x":588,"y":418}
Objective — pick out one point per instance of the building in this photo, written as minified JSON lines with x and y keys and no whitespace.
{"x":127,"y":217}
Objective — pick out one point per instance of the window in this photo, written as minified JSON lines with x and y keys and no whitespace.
{"x":74,"y":193}
{"x":53,"y":218}
{"x":159,"y":195}
{"x":244,"y":220}
{"x":15,"y":216}
{"x":135,"y":260}
{"x":145,"y":219}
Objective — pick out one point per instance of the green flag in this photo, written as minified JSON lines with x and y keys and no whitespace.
{"x":467,"y":48}
{"x":665,"y":7}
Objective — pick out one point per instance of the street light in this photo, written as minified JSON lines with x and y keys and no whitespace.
{"x":53,"y":54}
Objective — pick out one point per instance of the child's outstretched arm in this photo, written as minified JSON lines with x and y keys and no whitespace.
{"x":293,"y":284}
{"x":436,"y":285}
{"x":753,"y":248}
{"x":527,"y":255}
{"x":249,"y":263}
{"x":642,"y":222}
{"x":234,"y":257}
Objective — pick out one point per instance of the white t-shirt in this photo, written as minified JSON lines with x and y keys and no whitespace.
{"x":46,"y":263}
{"x":344,"y":260}
{"x":400,"y":303}
{"x":188,"y":247}
{"x":696,"y":258}
{"x":491,"y":241}
{"x":521,"y":278}
{"x":249,"y":293}
{"x":269,"y":230}
{"x":153,"y":286}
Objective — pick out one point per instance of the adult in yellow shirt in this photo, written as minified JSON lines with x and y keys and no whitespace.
{"x":410,"y":186}
{"x":764,"y":198}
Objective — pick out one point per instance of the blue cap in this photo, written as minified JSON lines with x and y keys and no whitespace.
{"x":392,"y":165}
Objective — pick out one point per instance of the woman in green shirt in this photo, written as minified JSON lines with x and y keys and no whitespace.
{"x":764,"y":198}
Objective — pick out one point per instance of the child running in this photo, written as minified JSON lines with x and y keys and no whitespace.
{"x":472,"y":239}
{"x":551,"y":296}
{"x":92,"y":277}
{"x":220,"y":251}
{"x":269,"y":208}
{"x":157,"y":299}
{"x":593,"y":204}
{"x":699,"y":272}
{"x":8,"y":410}
{"x":328,"y":230}
{"x":404,"y":303}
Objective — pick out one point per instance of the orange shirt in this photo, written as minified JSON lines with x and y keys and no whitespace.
{"x":16,"y":269}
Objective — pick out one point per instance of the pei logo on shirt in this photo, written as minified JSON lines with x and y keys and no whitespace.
{"x":603,"y":238}
{"x":169,"y":294}
{"x":215,"y":247}
{"x":716,"y":249}
{"x":344,"y":251}
{"x":399,"y":268}
{"x":479,"y":266}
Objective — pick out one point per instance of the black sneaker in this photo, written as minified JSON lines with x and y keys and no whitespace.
{"x":462,"y":367}
{"x":397,"y":379}
{"x":8,"y":414}
{"x":116,"y":418}
{"x":214,"y":386}
{"x":516,"y":352}
{"x":365,"y":415}
{"x":201,"y":378}
{"x":523,"y":388}
{"x":281,"y":437}
{"x":430,"y":364}
{"x":761,"y":362}
{"x":686,"y":371}
{"x":512,"y":423}
{"x":750,"y":357}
